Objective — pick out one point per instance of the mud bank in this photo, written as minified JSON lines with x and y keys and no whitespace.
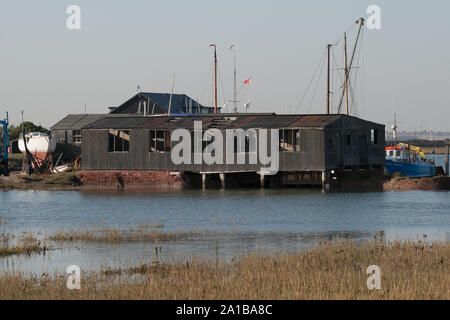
{"x":405,"y":184}
{"x":94,"y":180}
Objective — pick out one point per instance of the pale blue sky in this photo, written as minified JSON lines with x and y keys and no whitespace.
{"x":49,"y":71}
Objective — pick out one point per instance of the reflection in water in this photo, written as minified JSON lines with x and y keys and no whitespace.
{"x":234,"y":221}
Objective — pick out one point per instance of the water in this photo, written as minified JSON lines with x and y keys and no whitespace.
{"x":438,"y":158}
{"x":231,"y":222}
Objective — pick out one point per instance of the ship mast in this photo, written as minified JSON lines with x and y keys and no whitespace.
{"x":346,"y":74}
{"x":349,"y":67}
{"x":215,"y":77}
{"x":328,"y":80}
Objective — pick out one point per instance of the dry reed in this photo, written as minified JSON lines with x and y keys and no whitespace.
{"x":142,"y":233}
{"x":26,"y":244}
{"x":330,"y":270}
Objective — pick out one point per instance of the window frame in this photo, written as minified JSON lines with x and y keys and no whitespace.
{"x":116,"y":133}
{"x":159,"y":141}
{"x":76,"y":138}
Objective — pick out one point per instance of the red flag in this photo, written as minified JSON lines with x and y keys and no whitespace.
{"x":247,"y":81}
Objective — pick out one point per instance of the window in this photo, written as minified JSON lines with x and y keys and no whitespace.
{"x":160,"y":141}
{"x":289,"y":140}
{"x":374,"y":136}
{"x":350,"y":139}
{"x":76,"y":136}
{"x":119,"y":141}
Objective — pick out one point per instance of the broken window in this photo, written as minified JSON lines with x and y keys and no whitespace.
{"x":160,"y":141}
{"x":297,"y":140}
{"x":350,"y":139}
{"x":374,"y":136}
{"x":76,"y":136}
{"x":119,"y":140}
{"x":289,"y":140}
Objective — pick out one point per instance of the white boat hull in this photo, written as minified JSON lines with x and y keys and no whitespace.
{"x":40,"y":145}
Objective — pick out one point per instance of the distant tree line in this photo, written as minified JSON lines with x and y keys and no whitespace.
{"x":15,"y":131}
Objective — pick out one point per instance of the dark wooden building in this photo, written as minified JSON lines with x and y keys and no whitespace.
{"x":68,"y":130}
{"x":313,"y":149}
{"x":68,"y":134}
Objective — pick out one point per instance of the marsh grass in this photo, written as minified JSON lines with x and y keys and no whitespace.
{"x":144,"y":232}
{"x":329,"y":270}
{"x":27,"y":244}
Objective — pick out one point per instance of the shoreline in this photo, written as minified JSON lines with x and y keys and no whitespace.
{"x":70,"y":181}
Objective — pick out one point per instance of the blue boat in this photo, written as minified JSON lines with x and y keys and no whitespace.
{"x":404,"y":160}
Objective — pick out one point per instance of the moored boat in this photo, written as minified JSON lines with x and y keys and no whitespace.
{"x":409,"y":161}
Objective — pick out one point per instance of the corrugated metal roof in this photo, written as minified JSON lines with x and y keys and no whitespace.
{"x":76,"y":121}
{"x":116,"y":123}
{"x":315,"y":120}
{"x":220,"y":121}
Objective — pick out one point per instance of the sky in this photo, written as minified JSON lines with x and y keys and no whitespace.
{"x":49,"y":71}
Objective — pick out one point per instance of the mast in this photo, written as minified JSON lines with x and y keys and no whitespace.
{"x":215,"y":77}
{"x":234,"y":92}
{"x":328,"y":80}
{"x":361,"y":24}
{"x":346,"y":74}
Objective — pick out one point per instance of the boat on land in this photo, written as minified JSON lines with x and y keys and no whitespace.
{"x":39,"y":144}
{"x":409,"y":161}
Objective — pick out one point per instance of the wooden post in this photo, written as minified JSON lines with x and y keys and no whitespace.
{"x":324,"y":180}
{"x":261,"y":179}
{"x":204,"y":181}
{"x":447,"y":142}
{"x":222,"y":180}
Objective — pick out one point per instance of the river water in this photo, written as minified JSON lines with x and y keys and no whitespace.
{"x":230,"y":222}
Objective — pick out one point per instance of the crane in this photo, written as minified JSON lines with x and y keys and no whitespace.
{"x":417,"y":150}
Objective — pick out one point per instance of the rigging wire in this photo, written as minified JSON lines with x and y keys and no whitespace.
{"x":340,"y":80}
{"x":223,"y":95}
{"x":355,"y":78}
{"x":364,"y":98}
{"x":348,"y":31}
{"x":315,"y":89}
{"x":322,"y":60}
{"x":207,"y":86}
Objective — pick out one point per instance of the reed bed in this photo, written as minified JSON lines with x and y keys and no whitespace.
{"x":26,"y":244}
{"x":144,"y":232}
{"x":330,"y":270}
